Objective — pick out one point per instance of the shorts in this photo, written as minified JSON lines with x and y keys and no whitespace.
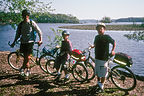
{"x":60,"y":61}
{"x":101,"y":68}
{"x":26,"y":48}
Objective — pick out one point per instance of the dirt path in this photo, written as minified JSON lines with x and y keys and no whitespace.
{"x":41,"y":84}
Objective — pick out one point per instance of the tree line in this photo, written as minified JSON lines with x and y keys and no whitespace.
{"x":39,"y":17}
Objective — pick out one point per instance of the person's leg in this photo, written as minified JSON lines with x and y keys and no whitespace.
{"x":102,"y":81}
{"x":97,"y":69}
{"x":103,"y":73}
{"x":67,"y":75}
{"x":58,"y":67}
{"x":23,"y":67}
{"x":28,"y":54}
{"x":27,"y":58}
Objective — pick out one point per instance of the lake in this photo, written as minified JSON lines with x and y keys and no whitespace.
{"x":80,"y":40}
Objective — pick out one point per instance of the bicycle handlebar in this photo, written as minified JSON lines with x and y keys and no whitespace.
{"x":18,"y":42}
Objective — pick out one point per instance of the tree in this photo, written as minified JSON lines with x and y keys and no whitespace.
{"x":106,"y":20}
{"x":10,"y":10}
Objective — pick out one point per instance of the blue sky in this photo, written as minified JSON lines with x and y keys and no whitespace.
{"x":97,"y":9}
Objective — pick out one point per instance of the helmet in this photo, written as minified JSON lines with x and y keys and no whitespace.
{"x":100,"y":24}
{"x":65,"y":33}
{"x":25,"y":12}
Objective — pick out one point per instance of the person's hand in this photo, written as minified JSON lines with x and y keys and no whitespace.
{"x":58,"y":46}
{"x":39,"y":43}
{"x":113,"y":53}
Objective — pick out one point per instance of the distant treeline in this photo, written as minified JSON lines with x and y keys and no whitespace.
{"x":54,"y":18}
{"x":40,"y":18}
{"x":130,"y":19}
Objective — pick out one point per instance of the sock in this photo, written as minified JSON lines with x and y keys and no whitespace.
{"x":100,"y":85}
{"x":67,"y":76}
{"x":59,"y":73}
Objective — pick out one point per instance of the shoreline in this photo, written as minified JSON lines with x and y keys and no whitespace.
{"x":128,"y":27}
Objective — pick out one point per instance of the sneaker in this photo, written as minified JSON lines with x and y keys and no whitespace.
{"x":22,"y":72}
{"x":99,"y":90}
{"x":66,"y":77}
{"x":94,"y":90}
{"x":101,"y":86}
{"x":28,"y":73}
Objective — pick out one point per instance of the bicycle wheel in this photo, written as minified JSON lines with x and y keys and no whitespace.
{"x":79,"y":72}
{"x":15,"y":60}
{"x":91,"y":70}
{"x":123,"y":78}
{"x":43,"y":62}
{"x":50,"y":67}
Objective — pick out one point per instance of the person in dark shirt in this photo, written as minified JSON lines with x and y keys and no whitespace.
{"x":24,"y":32}
{"x":101,"y":44}
{"x":65,"y":51}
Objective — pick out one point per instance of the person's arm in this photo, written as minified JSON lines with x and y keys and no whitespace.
{"x":94,"y":44}
{"x":114,"y":46}
{"x":38,"y":31}
{"x":17,"y":35}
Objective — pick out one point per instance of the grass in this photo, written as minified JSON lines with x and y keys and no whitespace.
{"x":108,"y":27}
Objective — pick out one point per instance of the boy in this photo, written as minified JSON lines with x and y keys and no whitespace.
{"x":101,"y":44}
{"x":65,"y":50}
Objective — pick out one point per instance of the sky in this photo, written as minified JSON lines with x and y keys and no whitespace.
{"x":97,"y":9}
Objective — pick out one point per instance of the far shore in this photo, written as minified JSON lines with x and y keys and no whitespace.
{"x":129,"y":27}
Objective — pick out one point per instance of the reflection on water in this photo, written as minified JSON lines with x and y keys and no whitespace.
{"x":80,"y":40}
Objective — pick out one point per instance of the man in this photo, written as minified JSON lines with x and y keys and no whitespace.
{"x":101,"y":44}
{"x":25,"y":33}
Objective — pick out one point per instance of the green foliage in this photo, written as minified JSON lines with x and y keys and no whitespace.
{"x":54,"y":18}
{"x":56,"y":40}
{"x":137,"y":36}
{"x":10,"y":10}
{"x":106,"y":20}
{"x":142,"y":25}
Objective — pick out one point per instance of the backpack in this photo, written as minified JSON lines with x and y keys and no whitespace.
{"x":33,"y":33}
{"x":123,"y":59}
{"x":77,"y":55}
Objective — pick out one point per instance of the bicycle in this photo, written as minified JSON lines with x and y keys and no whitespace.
{"x":74,"y":66}
{"x":15,"y":59}
{"x":119,"y":73}
{"x":89,"y":63}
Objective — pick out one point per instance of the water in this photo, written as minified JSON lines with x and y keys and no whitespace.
{"x":80,"y":40}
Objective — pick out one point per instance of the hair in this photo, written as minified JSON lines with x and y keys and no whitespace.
{"x":25,"y":12}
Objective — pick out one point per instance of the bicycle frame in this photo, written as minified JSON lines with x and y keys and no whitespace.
{"x":37,"y":52}
{"x":118,"y":73}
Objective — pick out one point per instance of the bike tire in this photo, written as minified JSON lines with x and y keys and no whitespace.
{"x":15,"y":60}
{"x":123,"y":78}
{"x":43,"y":62}
{"x":91,"y":70}
{"x":50,"y":67}
{"x":80,"y":72}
